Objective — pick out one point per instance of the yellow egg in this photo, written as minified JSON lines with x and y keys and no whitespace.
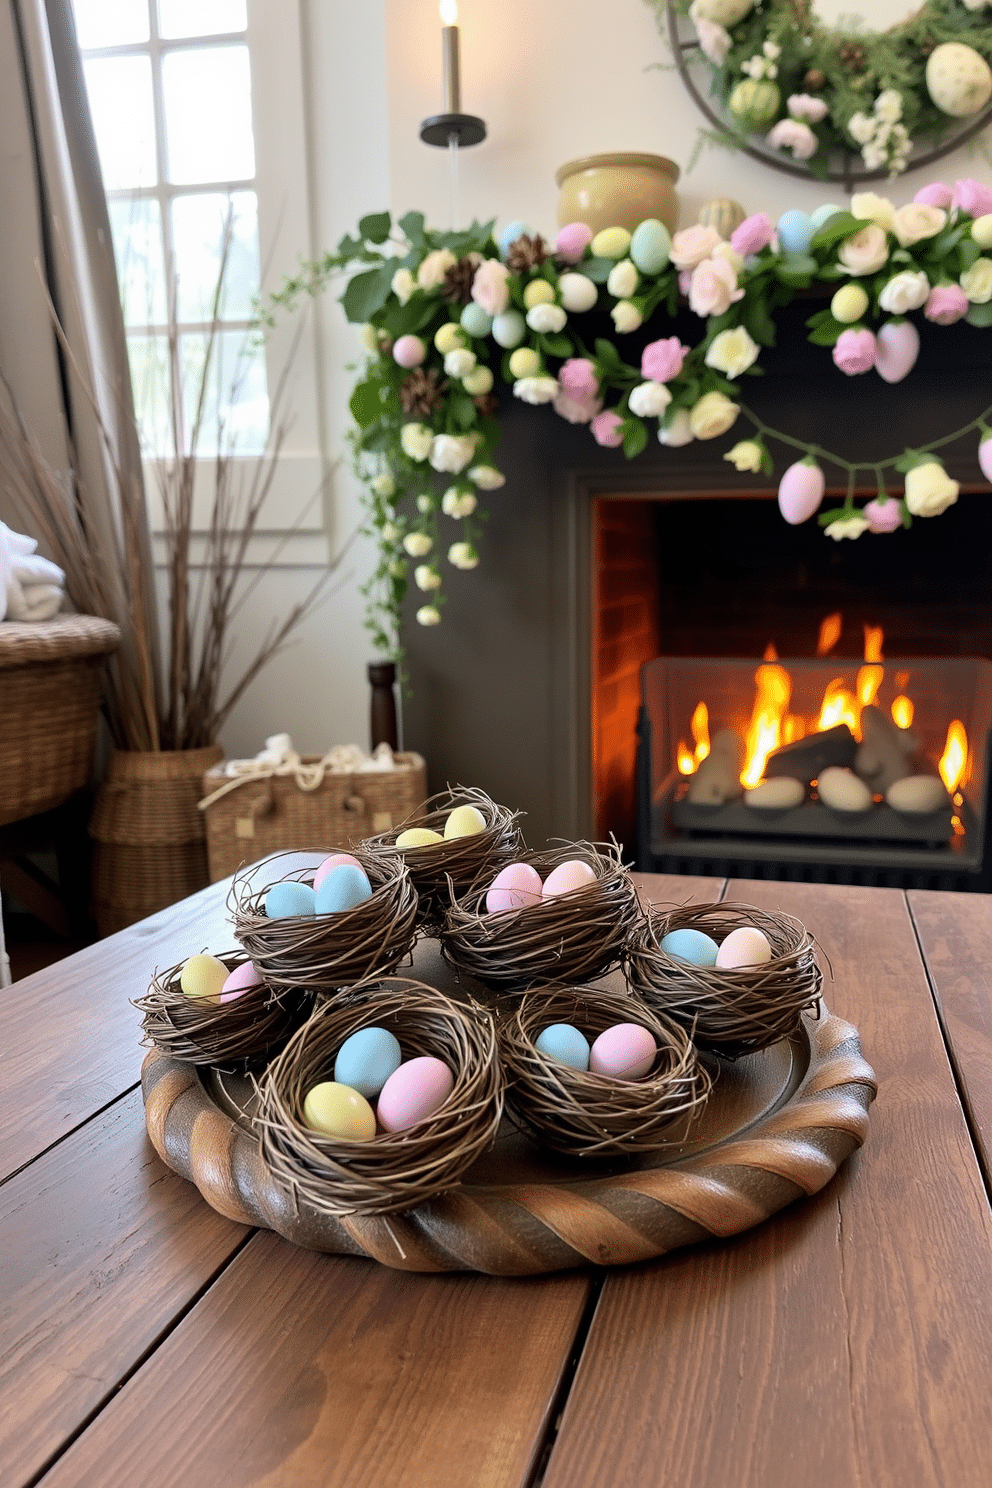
{"x":464,"y":821}
{"x":418,"y":837}
{"x":203,"y":977}
{"x":538,"y":292}
{"x":338,"y":1111}
{"x":849,"y":304}
{"x":611,"y":242}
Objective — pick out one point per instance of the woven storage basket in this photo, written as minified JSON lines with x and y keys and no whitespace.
{"x":50,"y":682}
{"x":273,"y":814}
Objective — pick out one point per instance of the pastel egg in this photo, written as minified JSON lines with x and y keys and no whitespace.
{"x":626,"y":1051}
{"x":343,"y":888}
{"x":565,"y":1044}
{"x":691,"y":946}
{"x":611,"y":242}
{"x":338,"y":1111}
{"x":414,"y":1092}
{"x":418,"y":837}
{"x":509,"y":329}
{"x":800,"y":491}
{"x":288,"y":898}
{"x":203,"y":977}
{"x":823,"y":214}
{"x":572,"y":241}
{"x":795,"y":231}
{"x":745,"y":946}
{"x":650,"y":246}
{"x":367,"y":1059}
{"x":511,"y":232}
{"x":515,"y":887}
{"x":336,"y":860}
{"x":241,"y":980}
{"x":475,"y":320}
{"x":409,"y":351}
{"x":568,"y":876}
{"x":464,"y":821}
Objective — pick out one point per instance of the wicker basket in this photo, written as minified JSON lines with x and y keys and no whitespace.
{"x":50,"y":682}
{"x":246,"y":1029}
{"x":258,"y":817}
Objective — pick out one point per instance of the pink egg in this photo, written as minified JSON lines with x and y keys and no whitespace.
{"x":800,"y":492}
{"x":626,"y":1051}
{"x":898,"y":345}
{"x":336,"y":860}
{"x":744,"y":946}
{"x":568,"y":876}
{"x":572,"y":241}
{"x":240,"y":981}
{"x":413,"y":1092}
{"x":514,"y":887}
{"x":409,"y":351}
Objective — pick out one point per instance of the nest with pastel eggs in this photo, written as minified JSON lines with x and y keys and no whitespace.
{"x":571,"y":938}
{"x":731,"y":1011}
{"x":442,"y":869}
{"x":583,"y":1114}
{"x":394,"y":1171}
{"x":322,"y":953}
{"x":202,"y":1031}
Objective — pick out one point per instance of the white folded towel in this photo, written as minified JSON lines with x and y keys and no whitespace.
{"x":31,"y":587}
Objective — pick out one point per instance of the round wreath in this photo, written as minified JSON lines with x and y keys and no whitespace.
{"x":797,"y":92}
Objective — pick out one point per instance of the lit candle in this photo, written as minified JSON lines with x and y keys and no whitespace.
{"x":449,"y":43}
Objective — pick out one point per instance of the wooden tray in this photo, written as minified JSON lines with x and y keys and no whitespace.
{"x":777,"y":1126}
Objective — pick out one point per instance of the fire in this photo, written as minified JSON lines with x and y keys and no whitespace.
{"x":774,"y":689}
{"x":869,"y":680}
{"x":686,"y":758}
{"x":902,"y":711}
{"x":839,"y":706}
{"x":793,"y":728}
{"x":830,"y":629}
{"x":700,"y":726}
{"x":770,"y":652}
{"x":955,"y":756}
{"x":874,"y":636}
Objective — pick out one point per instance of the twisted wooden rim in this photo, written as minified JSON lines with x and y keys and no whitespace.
{"x":529,"y":1228}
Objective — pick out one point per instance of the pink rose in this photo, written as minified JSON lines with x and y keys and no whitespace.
{"x":489,"y":287}
{"x":855,"y":352}
{"x":802,"y":106}
{"x":604,"y":427}
{"x":576,"y":410}
{"x":754,"y":233}
{"x":935,"y":195}
{"x":972,"y":197}
{"x":714,"y":287}
{"x":884,"y":514}
{"x":662,"y":360}
{"x":578,"y":378}
{"x":693,"y":244}
{"x":985,"y":457}
{"x":794,"y":135}
{"x":572,"y":241}
{"x":945,"y":304}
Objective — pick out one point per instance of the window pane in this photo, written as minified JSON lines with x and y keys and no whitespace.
{"x":208,"y":114}
{"x":137,"y":231}
{"x":149,"y":358}
{"x":198,"y":224}
{"x":200,"y":17}
{"x":236,"y":411}
{"x":120,"y":95}
{"x":102,"y":23}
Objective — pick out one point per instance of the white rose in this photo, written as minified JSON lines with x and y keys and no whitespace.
{"x":714,"y":41}
{"x":384,"y":485}
{"x":907,"y":291}
{"x":416,"y":440}
{"x":723,"y":12}
{"x":578,"y":293}
{"x":745,"y":456}
{"x":428,"y":615}
{"x":888,"y":106}
{"x":478,"y":381}
{"x":546,"y":319}
{"x":452,"y":452}
{"x":417,"y":544}
{"x":712,"y":416}
{"x":730,"y":256}
{"x":977,"y":281}
{"x":463,"y":555}
{"x":866,"y":251}
{"x":861,"y":128}
{"x":425,"y":502}
{"x":848,"y":527}
{"x":487,"y":477}
{"x":536,"y":389}
{"x":626,"y":316}
{"x":457,"y":504}
{"x":732,"y":352}
{"x":649,"y":399}
{"x":622,"y":280}
{"x":431,"y":273}
{"x":459,"y":363}
{"x":873,"y":208}
{"x":426,"y":578}
{"x":677,"y":432}
{"x":403,"y":284}
{"x":915,"y":222}
{"x":930,"y":490}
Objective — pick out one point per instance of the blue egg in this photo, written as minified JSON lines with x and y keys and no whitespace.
{"x":650,"y":246}
{"x":795,"y":231}
{"x":511,"y":232}
{"x":691,"y":946}
{"x":286,"y":899}
{"x":823,"y":214}
{"x":475,"y":321}
{"x":367,"y":1059}
{"x":509,"y":329}
{"x":565,"y":1044}
{"x":343,"y":888}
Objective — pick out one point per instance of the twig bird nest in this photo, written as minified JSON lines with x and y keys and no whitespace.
{"x":440,"y":868}
{"x":204,"y":1032}
{"x":571,"y":938}
{"x":395,"y":1170}
{"x":583,"y":1114}
{"x":320,"y":953}
{"x":736,"y":1010}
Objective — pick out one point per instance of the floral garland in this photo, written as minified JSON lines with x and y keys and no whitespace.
{"x":810,"y":90}
{"x":443,"y":313}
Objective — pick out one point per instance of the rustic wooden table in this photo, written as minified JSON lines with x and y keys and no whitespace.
{"x":148,"y":1341}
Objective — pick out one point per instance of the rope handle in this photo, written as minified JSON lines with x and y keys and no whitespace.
{"x":308,"y":777}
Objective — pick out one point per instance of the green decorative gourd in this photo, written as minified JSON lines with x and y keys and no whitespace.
{"x":755,"y":102}
{"x":722,"y":213}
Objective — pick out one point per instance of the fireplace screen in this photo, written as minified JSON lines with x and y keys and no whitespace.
{"x":874,"y":771}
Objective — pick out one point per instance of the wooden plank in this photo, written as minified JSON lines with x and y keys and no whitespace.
{"x":667,"y":888}
{"x":849,"y":1340}
{"x":955,"y":932}
{"x":100,"y":1248}
{"x":297,"y":1368}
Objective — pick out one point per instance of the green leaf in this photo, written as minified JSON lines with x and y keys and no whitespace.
{"x":366,"y":403}
{"x":367,"y":293}
{"x":607,"y":356}
{"x":596,"y":269}
{"x":411,"y":225}
{"x":635,"y":437}
{"x":980,"y":315}
{"x":757,"y":321}
{"x":556,"y":346}
{"x":462,"y":411}
{"x":826,"y":335}
{"x":835,"y":228}
{"x":969,"y":252}
{"x":375,"y":227}
{"x":944,"y":242}
{"x":418,"y":312}
{"x":796,"y":268}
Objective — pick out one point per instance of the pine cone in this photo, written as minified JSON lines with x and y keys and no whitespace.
{"x":486,"y":403}
{"x":457,"y":287}
{"x":815,"y":79}
{"x":422,"y":393}
{"x":852,"y":56}
{"x":526,"y":253}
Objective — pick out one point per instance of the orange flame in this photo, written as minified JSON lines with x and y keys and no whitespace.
{"x":869,"y":680}
{"x":955,"y":755}
{"x":701,"y":733}
{"x":685,"y":758}
{"x":774,"y":689}
{"x":770,"y":653}
{"x":830,"y":629}
{"x":839,"y":706}
{"x":793,"y":728}
{"x":874,"y":636}
{"x":902,"y":711}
